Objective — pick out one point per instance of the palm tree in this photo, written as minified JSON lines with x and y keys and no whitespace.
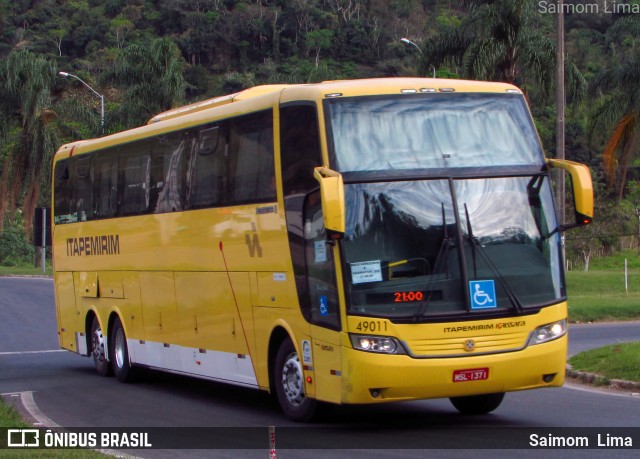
{"x":28,"y":138}
{"x":152,"y":78}
{"x":498,"y":41}
{"x":618,"y":111}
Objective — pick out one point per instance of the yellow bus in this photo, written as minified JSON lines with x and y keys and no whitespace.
{"x":348,"y":242}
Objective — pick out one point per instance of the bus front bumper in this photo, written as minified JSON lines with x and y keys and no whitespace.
{"x":372,"y":378}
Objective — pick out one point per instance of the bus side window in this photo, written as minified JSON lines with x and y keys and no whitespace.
{"x":323,"y":294}
{"x":251,"y":174}
{"x":168,"y":168}
{"x":135,"y":170}
{"x":300,"y":148}
{"x":300,"y":152}
{"x":207,"y":166}
{"x":82,"y":177}
{"x":105,"y":186}
{"x":62,"y":194}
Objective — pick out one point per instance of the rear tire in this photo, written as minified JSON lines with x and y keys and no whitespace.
{"x":477,"y":404}
{"x":98,"y":350}
{"x":288,"y":379}
{"x":120,"y":353}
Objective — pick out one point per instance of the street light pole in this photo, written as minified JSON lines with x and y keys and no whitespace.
{"x":409,"y":42}
{"x":65,"y":74}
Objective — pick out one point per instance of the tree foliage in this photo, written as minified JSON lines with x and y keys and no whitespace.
{"x":26,"y":84}
{"x":618,"y":109}
{"x":147,"y":56}
{"x":499,"y":41}
{"x":151,"y":78}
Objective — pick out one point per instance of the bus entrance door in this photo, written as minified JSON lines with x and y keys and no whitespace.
{"x":327,"y":363}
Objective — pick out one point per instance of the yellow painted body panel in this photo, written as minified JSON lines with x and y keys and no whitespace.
{"x":66,"y":310}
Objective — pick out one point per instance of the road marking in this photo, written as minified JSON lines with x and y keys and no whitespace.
{"x":32,"y":352}
{"x":594,"y":390}
{"x":30,"y":405}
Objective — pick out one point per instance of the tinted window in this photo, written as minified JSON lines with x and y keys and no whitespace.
{"x":105,"y":186}
{"x":135,"y":170}
{"x":300,"y":148}
{"x":208,"y":166}
{"x":169,"y":159}
{"x":62,"y":194}
{"x":218,"y":164}
{"x":251,"y":159}
{"x":82,"y":183}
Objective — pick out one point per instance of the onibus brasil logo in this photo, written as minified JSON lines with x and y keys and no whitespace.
{"x":36,"y":438}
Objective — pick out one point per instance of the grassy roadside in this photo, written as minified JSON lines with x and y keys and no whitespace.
{"x":25,"y":270}
{"x":601,"y":294}
{"x":617,"y":361}
{"x":598,"y":296}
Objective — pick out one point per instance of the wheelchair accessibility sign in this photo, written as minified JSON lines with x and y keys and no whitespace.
{"x":483,"y":294}
{"x":324,"y":305}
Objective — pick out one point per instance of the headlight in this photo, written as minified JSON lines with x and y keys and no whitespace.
{"x":379,"y":344}
{"x":548,"y":332}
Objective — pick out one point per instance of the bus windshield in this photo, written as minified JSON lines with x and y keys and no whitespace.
{"x":425,"y":248}
{"x":431,"y":131}
{"x":458,"y":216}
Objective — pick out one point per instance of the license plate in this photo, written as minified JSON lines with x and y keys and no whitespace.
{"x":474,"y":374}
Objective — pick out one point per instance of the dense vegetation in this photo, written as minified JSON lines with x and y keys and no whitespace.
{"x":145,"y":56}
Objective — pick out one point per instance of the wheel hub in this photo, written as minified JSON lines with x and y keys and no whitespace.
{"x":119,"y":348}
{"x":292,"y":380}
{"x":97,"y":345}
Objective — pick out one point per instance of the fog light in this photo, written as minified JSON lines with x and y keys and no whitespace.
{"x":548,"y":378}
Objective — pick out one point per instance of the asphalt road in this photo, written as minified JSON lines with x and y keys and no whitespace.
{"x":583,"y":337}
{"x":58,"y":388}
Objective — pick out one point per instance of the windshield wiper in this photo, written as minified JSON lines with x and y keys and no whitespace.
{"x":473,"y":240}
{"x":475,"y":243}
{"x":440,"y":260}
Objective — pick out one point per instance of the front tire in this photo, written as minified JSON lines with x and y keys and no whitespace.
{"x":98,"y":350}
{"x":477,"y":404}
{"x":120,"y":353}
{"x":288,"y":379}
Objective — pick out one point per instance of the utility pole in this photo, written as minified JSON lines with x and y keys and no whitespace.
{"x":560,"y":106}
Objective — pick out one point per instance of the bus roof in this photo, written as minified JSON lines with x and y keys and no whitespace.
{"x":342,"y":88}
{"x":171,"y":119}
{"x":217,"y":101}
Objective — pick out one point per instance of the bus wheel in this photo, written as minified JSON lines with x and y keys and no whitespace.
{"x":103,"y":367}
{"x":120,"y":353}
{"x":477,"y":404}
{"x":289,"y":381}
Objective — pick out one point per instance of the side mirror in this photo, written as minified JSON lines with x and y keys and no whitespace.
{"x":582,"y":186}
{"x":332,"y":195}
